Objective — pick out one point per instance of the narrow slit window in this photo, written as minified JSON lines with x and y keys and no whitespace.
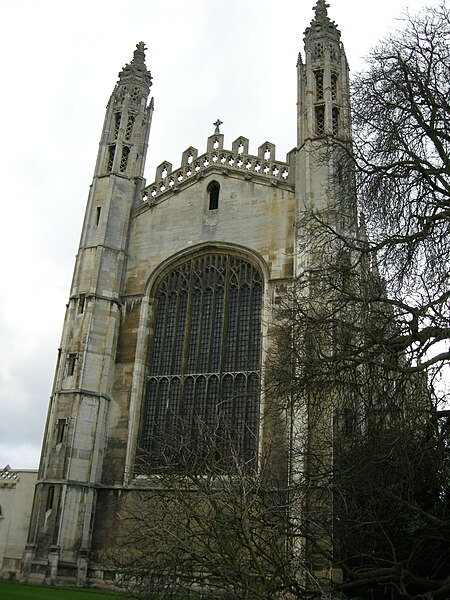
{"x":97,"y":218}
{"x":117,"y":117}
{"x":50,"y":497}
{"x":81,"y":304}
{"x":112,"y":151}
{"x":335,"y":114}
{"x":71,"y":361}
{"x":213,"y":191}
{"x":61,"y":426}
{"x":319,"y":84}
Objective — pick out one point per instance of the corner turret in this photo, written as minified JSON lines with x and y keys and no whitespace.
{"x":123,"y":145}
{"x":324,"y":181}
{"x":323,"y":85}
{"x":76,"y":434}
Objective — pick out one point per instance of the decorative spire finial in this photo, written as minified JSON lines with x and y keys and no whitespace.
{"x":136,"y":70}
{"x":217,"y":125}
{"x":321,"y":10}
{"x":139,"y":53}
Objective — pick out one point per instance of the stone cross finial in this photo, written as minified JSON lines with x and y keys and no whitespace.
{"x":217,"y":124}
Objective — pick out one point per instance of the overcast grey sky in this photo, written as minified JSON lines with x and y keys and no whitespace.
{"x":233,"y":59}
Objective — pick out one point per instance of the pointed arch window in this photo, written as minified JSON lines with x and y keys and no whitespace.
{"x":124,"y":159}
{"x":319,"y":84}
{"x":320,"y":120}
{"x":201,"y":405}
{"x":334,"y":80}
{"x":117,"y":118}
{"x":111,"y":155}
{"x":213,"y":192}
{"x":129,"y":128}
{"x":335,"y":119}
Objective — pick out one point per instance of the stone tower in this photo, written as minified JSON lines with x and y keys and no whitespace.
{"x":76,"y":430}
{"x":323,"y":118}
{"x":173,"y":290}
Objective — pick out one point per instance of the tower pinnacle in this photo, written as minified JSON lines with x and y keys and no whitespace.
{"x":321,"y":21}
{"x":137,"y":69}
{"x":139,"y":53}
{"x":321,"y":10}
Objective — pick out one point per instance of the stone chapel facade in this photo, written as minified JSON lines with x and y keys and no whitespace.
{"x":172,"y":294}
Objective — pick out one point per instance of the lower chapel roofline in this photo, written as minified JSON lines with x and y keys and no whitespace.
{"x":262,"y":166}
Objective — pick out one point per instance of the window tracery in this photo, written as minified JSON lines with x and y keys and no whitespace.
{"x":124,"y":159}
{"x":319,"y":84}
{"x":111,"y":154}
{"x":334,"y":87}
{"x":335,"y":119}
{"x":320,"y":120}
{"x":129,"y":128}
{"x":117,"y":118}
{"x":202,"y":389}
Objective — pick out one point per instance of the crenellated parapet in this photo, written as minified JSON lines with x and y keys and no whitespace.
{"x":8,"y":478}
{"x":262,"y":166}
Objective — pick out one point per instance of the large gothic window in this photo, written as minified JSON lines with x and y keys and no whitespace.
{"x":202,"y":390}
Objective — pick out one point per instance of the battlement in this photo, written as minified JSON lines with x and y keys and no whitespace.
{"x":8,"y":477}
{"x":237,"y":160}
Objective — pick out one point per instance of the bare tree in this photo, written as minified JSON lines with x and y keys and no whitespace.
{"x":369,"y":324}
{"x":401,"y":116}
{"x":216,"y":528}
{"x":375,"y":464}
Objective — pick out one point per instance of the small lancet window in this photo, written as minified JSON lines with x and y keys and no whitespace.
{"x":320,"y":120}
{"x":97,"y":218}
{"x":335,"y":117}
{"x":319,"y":84}
{"x":213,"y":191}
{"x":112,"y":151}
{"x":117,"y":118}
{"x":124,"y":159}
{"x":334,"y":87}
{"x":129,"y":129}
